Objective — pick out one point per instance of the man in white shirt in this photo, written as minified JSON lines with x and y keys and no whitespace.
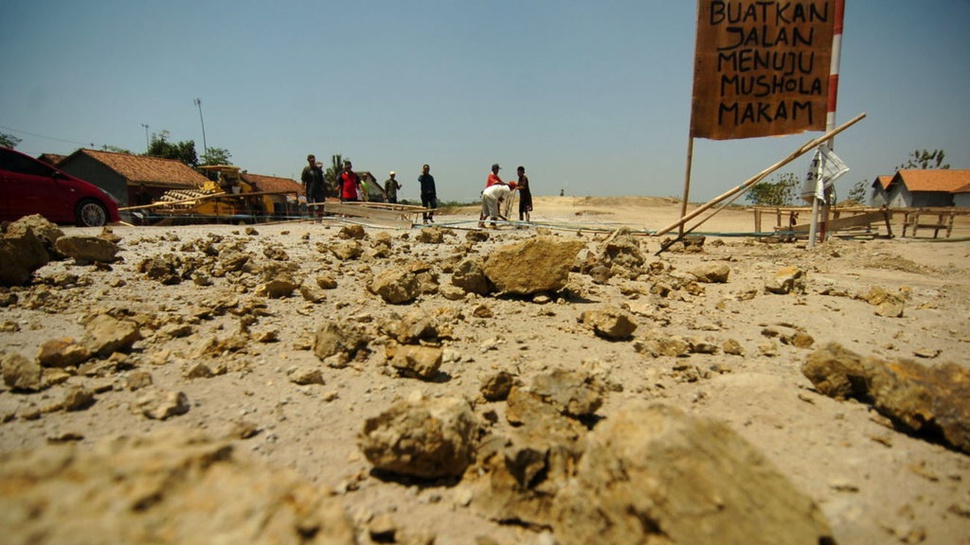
{"x":492,"y":197}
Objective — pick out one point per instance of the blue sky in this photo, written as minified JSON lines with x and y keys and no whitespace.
{"x":592,"y":97}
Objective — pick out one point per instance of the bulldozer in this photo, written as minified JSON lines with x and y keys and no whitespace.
{"x":226,"y":195}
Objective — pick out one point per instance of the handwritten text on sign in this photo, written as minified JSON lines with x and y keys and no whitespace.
{"x":761,"y":68}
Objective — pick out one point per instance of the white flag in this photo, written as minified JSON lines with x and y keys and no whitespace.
{"x":824,"y":169}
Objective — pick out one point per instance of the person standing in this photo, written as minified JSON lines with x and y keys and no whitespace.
{"x":429,"y":195}
{"x":349,"y":183}
{"x":314,"y":186}
{"x":493,"y":177}
{"x":390,"y":188}
{"x":525,"y":195}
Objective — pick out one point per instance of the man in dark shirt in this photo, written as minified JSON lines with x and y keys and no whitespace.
{"x":429,"y":196}
{"x":313,"y":184}
{"x":390,"y":188}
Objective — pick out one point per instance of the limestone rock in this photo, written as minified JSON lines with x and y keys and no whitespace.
{"x":160,"y":405}
{"x":431,"y":235}
{"x":396,"y":286}
{"x":712,"y":273}
{"x":20,"y":373}
{"x":610,"y":323}
{"x":622,"y":250}
{"x":105,"y":335}
{"x":87,"y":249}
{"x":929,"y":401}
{"x":77,"y":398}
{"x":653,"y":474}
{"x":167,"y":269}
{"x":470,"y":276}
{"x":415,"y":361}
{"x":281,"y":286}
{"x":64,"y":352}
{"x":414,"y":327}
{"x":21,"y":253}
{"x":787,"y":280}
{"x":333,"y":338}
{"x":352,"y":232}
{"x":346,"y":250}
{"x":169,"y":487}
{"x":532,"y":266}
{"x":573,"y":393}
{"x":426,"y":438}
{"x":306,"y":375}
{"x":496,"y":387}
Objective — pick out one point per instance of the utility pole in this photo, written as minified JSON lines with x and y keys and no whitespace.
{"x":148,"y":145}
{"x":205,"y":147}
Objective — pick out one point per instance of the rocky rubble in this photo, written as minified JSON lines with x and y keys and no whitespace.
{"x":357,"y":385}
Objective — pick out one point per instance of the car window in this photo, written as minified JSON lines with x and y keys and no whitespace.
{"x":14,"y":162}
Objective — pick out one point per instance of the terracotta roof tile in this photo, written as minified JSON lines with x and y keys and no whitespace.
{"x":272,"y":183}
{"x":934,"y":180}
{"x":884,"y":181}
{"x":138,"y":169}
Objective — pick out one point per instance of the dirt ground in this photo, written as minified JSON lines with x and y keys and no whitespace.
{"x":873,"y":484}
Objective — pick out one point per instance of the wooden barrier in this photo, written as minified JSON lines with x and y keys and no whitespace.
{"x":923,"y":218}
{"x":862,"y":219}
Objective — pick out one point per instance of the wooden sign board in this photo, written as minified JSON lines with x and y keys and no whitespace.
{"x":761,"y":68}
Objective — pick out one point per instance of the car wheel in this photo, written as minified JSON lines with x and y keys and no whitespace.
{"x":91,"y":214}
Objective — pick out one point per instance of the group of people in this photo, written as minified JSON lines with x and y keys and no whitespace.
{"x":496,"y":191}
{"x":349,"y":189}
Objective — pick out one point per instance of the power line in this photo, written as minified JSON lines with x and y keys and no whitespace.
{"x":48,"y":137}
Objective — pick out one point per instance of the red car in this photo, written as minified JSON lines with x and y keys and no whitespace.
{"x":29,"y":186}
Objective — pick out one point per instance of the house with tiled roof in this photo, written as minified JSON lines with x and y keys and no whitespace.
{"x":128,"y":177}
{"x":285,"y":203}
{"x":961,"y":197}
{"x":51,"y":158}
{"x":879,"y":194}
{"x":926,"y":188}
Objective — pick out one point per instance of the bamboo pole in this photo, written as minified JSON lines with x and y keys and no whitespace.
{"x":805,"y":148}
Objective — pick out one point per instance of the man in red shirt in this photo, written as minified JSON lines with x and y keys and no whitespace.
{"x":493,"y":177}
{"x":349,"y":184}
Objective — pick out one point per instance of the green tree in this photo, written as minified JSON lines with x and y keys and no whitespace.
{"x":181,"y":151}
{"x":780,"y":192}
{"x":925,"y":160}
{"x":8,"y":140}
{"x":217,"y":156}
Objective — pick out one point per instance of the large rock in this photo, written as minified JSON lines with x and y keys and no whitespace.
{"x":21,"y":253}
{"x":426,"y":438}
{"x":712,"y":273}
{"x":415,"y":361}
{"x":609,"y":323}
{"x":536,"y":265}
{"x":105,"y":335}
{"x":339,"y":339}
{"x":933,"y":402}
{"x":21,"y":374}
{"x":653,"y":474}
{"x":87,"y":249}
{"x":517,"y":476}
{"x":172,"y":487}
{"x":396,"y":286}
